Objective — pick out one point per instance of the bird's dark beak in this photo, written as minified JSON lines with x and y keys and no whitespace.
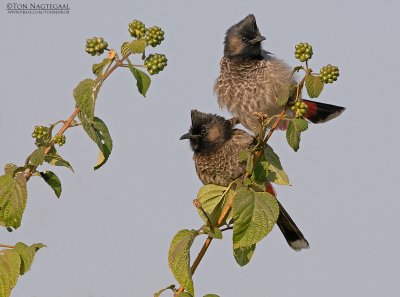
{"x":257,"y":39}
{"x":185,"y":136}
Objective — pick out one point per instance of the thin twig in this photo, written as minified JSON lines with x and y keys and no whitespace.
{"x":7,"y":246}
{"x":207,"y":243}
{"x":68,"y":122}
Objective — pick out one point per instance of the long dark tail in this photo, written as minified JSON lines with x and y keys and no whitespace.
{"x":318,"y":112}
{"x":292,"y":233}
{"x":289,"y":229}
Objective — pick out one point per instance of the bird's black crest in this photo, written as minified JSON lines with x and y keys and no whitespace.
{"x":244,"y":39}
{"x":208,"y":131}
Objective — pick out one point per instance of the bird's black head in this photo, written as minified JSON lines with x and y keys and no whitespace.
{"x":243,"y":40}
{"x":208,"y":132}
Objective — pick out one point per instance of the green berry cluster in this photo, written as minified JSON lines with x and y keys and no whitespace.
{"x":59,"y":139}
{"x":137,"y":29}
{"x":154,"y":36}
{"x":95,"y":46}
{"x":303,"y":51}
{"x":155,"y":63}
{"x":40,"y":132}
{"x":329,"y":73}
{"x":299,"y":109}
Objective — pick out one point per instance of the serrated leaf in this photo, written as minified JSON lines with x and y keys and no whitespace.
{"x":278,"y":175}
{"x":53,"y":181}
{"x":213,"y":199}
{"x":314,"y":85}
{"x":14,"y":262}
{"x":98,"y":132}
{"x":215,"y":233}
{"x":57,"y":160}
{"x":10,"y":168}
{"x":97,"y":69}
{"x":179,"y":258}
{"x":125,"y":50}
{"x":254,"y":214}
{"x":37,"y":157}
{"x":142,"y":80}
{"x":85,"y":97}
{"x":27,"y":254}
{"x":244,"y":155}
{"x":260,"y":171}
{"x":158,"y":293}
{"x":9,"y":271}
{"x":283,"y":95}
{"x":138,"y":46}
{"x":296,"y":126}
{"x":297,"y":68}
{"x":243,"y":255}
{"x":13,"y":195}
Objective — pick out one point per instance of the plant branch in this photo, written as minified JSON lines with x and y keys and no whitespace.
{"x":7,"y":246}
{"x":68,"y":123}
{"x":207,"y":243}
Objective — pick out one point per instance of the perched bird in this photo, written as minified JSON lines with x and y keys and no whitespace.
{"x":251,"y":78}
{"x":216,"y":146}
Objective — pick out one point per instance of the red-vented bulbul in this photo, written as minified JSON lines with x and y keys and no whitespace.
{"x":251,"y":78}
{"x":216,"y":146}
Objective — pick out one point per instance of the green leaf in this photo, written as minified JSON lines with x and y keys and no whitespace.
{"x":283,"y":95}
{"x":10,"y":263}
{"x":37,"y":157}
{"x":296,"y":126}
{"x":85,"y":97}
{"x":278,"y":175}
{"x":246,"y":156}
{"x":137,"y":46}
{"x":158,"y":293}
{"x":244,"y":254}
{"x":97,"y":69}
{"x":53,"y":181}
{"x":13,"y":195}
{"x":260,"y":172}
{"x":10,"y":168}
{"x":254,"y":214}
{"x":314,"y":85}
{"x":142,"y":80}
{"x":125,"y":50}
{"x":98,"y":132}
{"x":297,"y":68}
{"x":57,"y":160}
{"x":215,"y":233}
{"x":179,"y":258}
{"x":27,"y":254}
{"x":213,"y":199}
{"x":211,"y":295}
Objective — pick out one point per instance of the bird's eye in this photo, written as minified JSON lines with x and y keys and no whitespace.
{"x":203,"y":131}
{"x":244,"y":39}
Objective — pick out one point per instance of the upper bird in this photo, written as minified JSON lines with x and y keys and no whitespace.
{"x":251,"y":78}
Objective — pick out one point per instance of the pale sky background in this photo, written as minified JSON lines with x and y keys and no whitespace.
{"x":109,"y":233}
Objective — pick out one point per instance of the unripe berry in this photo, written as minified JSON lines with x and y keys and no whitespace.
{"x":95,"y":46}
{"x":155,"y":63}
{"x":299,"y":108}
{"x":329,"y":74}
{"x":303,"y":52}
{"x":137,"y":29}
{"x":154,"y":36}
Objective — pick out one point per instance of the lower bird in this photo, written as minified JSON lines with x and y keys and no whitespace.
{"x":216,"y":145}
